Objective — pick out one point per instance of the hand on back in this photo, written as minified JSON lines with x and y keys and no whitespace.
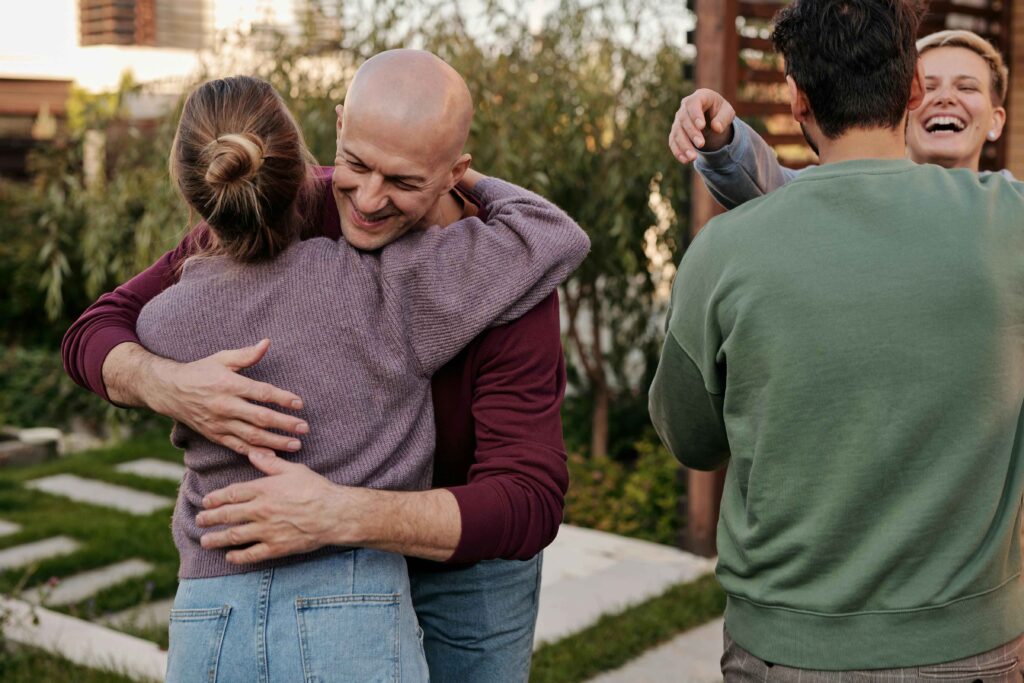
{"x":703,"y":122}
{"x":209,"y":396}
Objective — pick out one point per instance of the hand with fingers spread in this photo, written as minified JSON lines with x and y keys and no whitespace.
{"x":211,"y":397}
{"x":291,"y":510}
{"x":703,"y":122}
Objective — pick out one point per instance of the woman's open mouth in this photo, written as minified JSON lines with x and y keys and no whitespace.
{"x":944,"y":124}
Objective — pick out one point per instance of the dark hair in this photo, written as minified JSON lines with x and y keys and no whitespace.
{"x":855,"y":59}
{"x":239,"y":160}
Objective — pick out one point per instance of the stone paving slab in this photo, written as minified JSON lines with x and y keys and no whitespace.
{"x":590,"y":573}
{"x":83,"y":642}
{"x":8,"y":528}
{"x":81,"y":586}
{"x":27,"y":553}
{"x":101,"y":493}
{"x":151,"y":467}
{"x":143,"y":616}
{"x":691,"y":657}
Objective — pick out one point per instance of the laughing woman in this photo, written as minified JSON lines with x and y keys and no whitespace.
{"x":966,"y":82}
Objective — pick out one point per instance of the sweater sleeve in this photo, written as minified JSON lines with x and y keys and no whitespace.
{"x":110,"y":321}
{"x":745,"y":169}
{"x":444,"y":286}
{"x":687,"y":397}
{"x":512,"y":503}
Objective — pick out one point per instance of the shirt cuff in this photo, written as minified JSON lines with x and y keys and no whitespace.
{"x":484,"y":511}
{"x":101,"y":343}
{"x":726,"y":156}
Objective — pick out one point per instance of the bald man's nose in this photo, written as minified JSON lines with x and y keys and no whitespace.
{"x":370,"y":197}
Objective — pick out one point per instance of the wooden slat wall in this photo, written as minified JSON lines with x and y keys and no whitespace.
{"x":1015,"y":129}
{"x":761,"y":93}
{"x":25,"y":97}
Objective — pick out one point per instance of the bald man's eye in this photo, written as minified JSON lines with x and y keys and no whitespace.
{"x":405,"y":187}
{"x":356,"y":166}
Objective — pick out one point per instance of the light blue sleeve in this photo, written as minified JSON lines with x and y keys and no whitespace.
{"x":745,"y":169}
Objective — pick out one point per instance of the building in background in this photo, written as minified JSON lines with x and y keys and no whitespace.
{"x":184,"y":24}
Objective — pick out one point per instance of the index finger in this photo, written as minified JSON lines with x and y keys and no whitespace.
{"x":268,"y":393}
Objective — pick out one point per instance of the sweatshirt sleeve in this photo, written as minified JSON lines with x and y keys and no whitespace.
{"x":110,"y":321}
{"x":444,"y":286}
{"x":745,"y":169}
{"x":687,"y":396}
{"x":512,"y":503}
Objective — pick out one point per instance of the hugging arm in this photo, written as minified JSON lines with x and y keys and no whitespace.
{"x":444,"y":286}
{"x":102,"y":353}
{"x":734,"y":161}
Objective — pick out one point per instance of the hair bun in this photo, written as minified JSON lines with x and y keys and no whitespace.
{"x":234,"y":157}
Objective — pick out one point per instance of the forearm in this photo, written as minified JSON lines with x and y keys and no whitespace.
{"x":423,"y":524}
{"x":128,"y":372}
{"x":744,"y":169}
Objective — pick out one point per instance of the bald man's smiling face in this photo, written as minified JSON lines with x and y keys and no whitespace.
{"x":386,"y":182}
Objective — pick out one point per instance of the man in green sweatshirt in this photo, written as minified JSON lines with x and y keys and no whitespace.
{"x":853,"y":345}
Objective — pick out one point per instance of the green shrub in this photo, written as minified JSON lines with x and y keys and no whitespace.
{"x":639,"y":499}
{"x":36,"y":392}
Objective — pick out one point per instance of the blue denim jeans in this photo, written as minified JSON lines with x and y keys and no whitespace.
{"x":343,"y":617}
{"x":478,"y":622}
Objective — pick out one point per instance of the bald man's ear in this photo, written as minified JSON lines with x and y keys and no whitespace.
{"x":459,"y":170}
{"x":340,"y":111}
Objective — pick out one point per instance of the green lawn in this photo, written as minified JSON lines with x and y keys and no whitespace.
{"x":109,"y":536}
{"x":106,"y":535}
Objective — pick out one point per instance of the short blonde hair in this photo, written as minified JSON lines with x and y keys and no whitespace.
{"x":978,"y":45}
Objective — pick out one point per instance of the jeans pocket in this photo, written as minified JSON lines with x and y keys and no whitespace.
{"x":349,"y":638}
{"x":196,"y":637}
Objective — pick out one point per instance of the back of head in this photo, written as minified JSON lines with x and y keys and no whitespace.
{"x":855,"y":59}
{"x":969,"y":40}
{"x":239,"y":160}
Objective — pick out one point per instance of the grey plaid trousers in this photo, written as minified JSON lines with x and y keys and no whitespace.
{"x":1005,"y":664}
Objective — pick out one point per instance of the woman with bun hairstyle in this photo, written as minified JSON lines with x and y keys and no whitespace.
{"x":358,"y":336}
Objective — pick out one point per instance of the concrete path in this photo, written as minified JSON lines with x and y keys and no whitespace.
{"x":151,"y":467}
{"x":82,"y":586}
{"x":28,"y":553}
{"x":82,"y":642}
{"x":8,"y":528}
{"x":101,"y":493}
{"x":692,"y":657}
{"x":588,"y":574}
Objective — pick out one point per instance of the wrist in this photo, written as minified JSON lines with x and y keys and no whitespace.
{"x":352,"y":516}
{"x":717,"y":141}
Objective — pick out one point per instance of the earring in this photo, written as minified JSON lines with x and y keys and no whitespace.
{"x":992,"y":136}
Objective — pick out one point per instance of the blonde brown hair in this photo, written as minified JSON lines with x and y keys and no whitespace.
{"x":240,"y":162}
{"x":969,"y":40}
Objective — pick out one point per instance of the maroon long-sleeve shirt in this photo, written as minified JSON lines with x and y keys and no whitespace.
{"x":497,"y":407}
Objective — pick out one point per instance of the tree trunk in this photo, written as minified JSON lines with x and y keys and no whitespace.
{"x":599,"y":422}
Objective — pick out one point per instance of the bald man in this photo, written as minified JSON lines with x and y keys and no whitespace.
{"x":474,"y":541}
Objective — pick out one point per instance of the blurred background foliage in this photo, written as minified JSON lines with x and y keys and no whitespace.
{"x":577,"y":110}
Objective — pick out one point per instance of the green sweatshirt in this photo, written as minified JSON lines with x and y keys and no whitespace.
{"x":855,"y":340}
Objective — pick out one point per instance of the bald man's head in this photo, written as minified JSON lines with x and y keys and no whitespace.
{"x":401,"y":135}
{"x":417,"y":93}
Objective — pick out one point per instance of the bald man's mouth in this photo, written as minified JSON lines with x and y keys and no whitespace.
{"x":370,"y":221}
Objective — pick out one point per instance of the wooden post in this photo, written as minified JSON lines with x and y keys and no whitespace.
{"x":1014,"y":131}
{"x":717,"y":68}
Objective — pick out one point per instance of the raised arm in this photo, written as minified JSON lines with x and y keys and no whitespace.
{"x":101,"y":352}
{"x":734,"y":161}
{"x":446,"y":285}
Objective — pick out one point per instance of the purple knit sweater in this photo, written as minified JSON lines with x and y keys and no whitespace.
{"x":357,"y":335}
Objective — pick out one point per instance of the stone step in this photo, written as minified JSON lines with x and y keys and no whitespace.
{"x":151,"y":467}
{"x":101,"y":493}
{"x":28,"y":553}
{"x":8,"y":528}
{"x":82,"y":642}
{"x":691,"y":657}
{"x":589,"y":573}
{"x":143,"y":616}
{"x":82,"y":586}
